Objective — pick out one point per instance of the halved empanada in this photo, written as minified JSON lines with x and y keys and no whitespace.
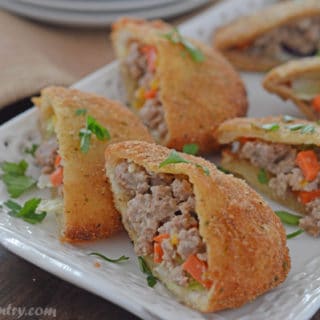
{"x":271,"y":36}
{"x":208,"y":236}
{"x":279,"y":156}
{"x":298,"y":81}
{"x":84,"y":200}
{"x":181,"y":91}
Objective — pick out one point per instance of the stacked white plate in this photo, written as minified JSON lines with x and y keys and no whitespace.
{"x":96,"y":13}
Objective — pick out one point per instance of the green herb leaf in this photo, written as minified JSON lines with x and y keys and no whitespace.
{"x":223,"y":169}
{"x":204,"y":169}
{"x":27,"y":212}
{"x":287,"y":118}
{"x":270,"y":126}
{"x":288,"y":218}
{"x":85,"y":138}
{"x":96,"y":128}
{"x":32,"y":149}
{"x":175,"y":37}
{"x":15,"y":179}
{"x":17,"y":169}
{"x":191,"y":148}
{"x":92,"y":127}
{"x":294,"y":234}
{"x":81,"y":112}
{"x":263,"y":176}
{"x":295,"y":127}
{"x":151,"y":279}
{"x":120,"y":259}
{"x":173,"y":157}
{"x":309,"y":128}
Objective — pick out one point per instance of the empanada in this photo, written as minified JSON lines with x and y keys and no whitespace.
{"x":84,"y":200}
{"x":279,"y":156}
{"x":271,"y":36}
{"x":299,"y":81}
{"x":206,"y":235}
{"x":181,"y":89}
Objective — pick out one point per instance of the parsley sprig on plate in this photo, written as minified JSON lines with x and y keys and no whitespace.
{"x":27,"y":212}
{"x":151,"y":279}
{"x":15,"y":179}
{"x":117,"y":260}
{"x":92,"y":128}
{"x":175,"y":37}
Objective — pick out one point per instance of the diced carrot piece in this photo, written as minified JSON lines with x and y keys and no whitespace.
{"x":151,"y":55}
{"x":56,"y":177}
{"x":161,"y":237}
{"x":157,"y":252}
{"x":308,"y":196}
{"x":197,"y":269}
{"x":243,"y":140}
{"x":57,"y":161}
{"x":308,"y":162}
{"x":316,"y":103}
{"x":150,"y":94}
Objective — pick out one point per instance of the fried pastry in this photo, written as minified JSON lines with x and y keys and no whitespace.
{"x":299,"y":81}
{"x":279,"y":156}
{"x":207,"y":236}
{"x":73,"y":164}
{"x":181,"y":89}
{"x":271,"y":36}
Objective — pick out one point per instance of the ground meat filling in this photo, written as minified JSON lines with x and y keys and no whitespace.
{"x":162,"y":204}
{"x":46,"y":154}
{"x":279,"y":160}
{"x":297,"y":39}
{"x":150,"y":106}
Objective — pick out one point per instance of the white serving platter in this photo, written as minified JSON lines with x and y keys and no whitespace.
{"x":297,"y":298}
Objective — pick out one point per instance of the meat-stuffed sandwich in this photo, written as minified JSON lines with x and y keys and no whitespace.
{"x":180,"y":89}
{"x":76,"y":128}
{"x":206,"y":235}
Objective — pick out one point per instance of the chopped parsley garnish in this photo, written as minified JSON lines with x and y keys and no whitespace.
{"x":270,"y":126}
{"x":31,"y":150}
{"x":92,"y":127}
{"x":288,"y":218}
{"x":174,"y":157}
{"x":309,"y":128}
{"x":175,"y":37}
{"x":120,"y":259}
{"x":295,"y":234}
{"x":151,"y":279}
{"x":27,"y":212}
{"x":304,"y":128}
{"x":287,"y":118}
{"x":81,"y":112}
{"x":15,"y":179}
{"x":263,"y":176}
{"x":191,"y":148}
{"x":223,"y":169}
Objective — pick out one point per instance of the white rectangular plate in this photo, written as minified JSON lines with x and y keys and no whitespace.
{"x":125,"y":285}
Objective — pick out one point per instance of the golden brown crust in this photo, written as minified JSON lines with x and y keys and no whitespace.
{"x":89,"y":212}
{"x":234,"y":129}
{"x":246,"y":242}
{"x":277,"y":80}
{"x":246,"y":29}
{"x":195,"y":96}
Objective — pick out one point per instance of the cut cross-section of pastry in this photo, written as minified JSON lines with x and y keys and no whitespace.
{"x":271,"y":36}
{"x":207,"y":236}
{"x":76,"y":128}
{"x":181,"y":89}
{"x":299,"y":81}
{"x":279,"y":156}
